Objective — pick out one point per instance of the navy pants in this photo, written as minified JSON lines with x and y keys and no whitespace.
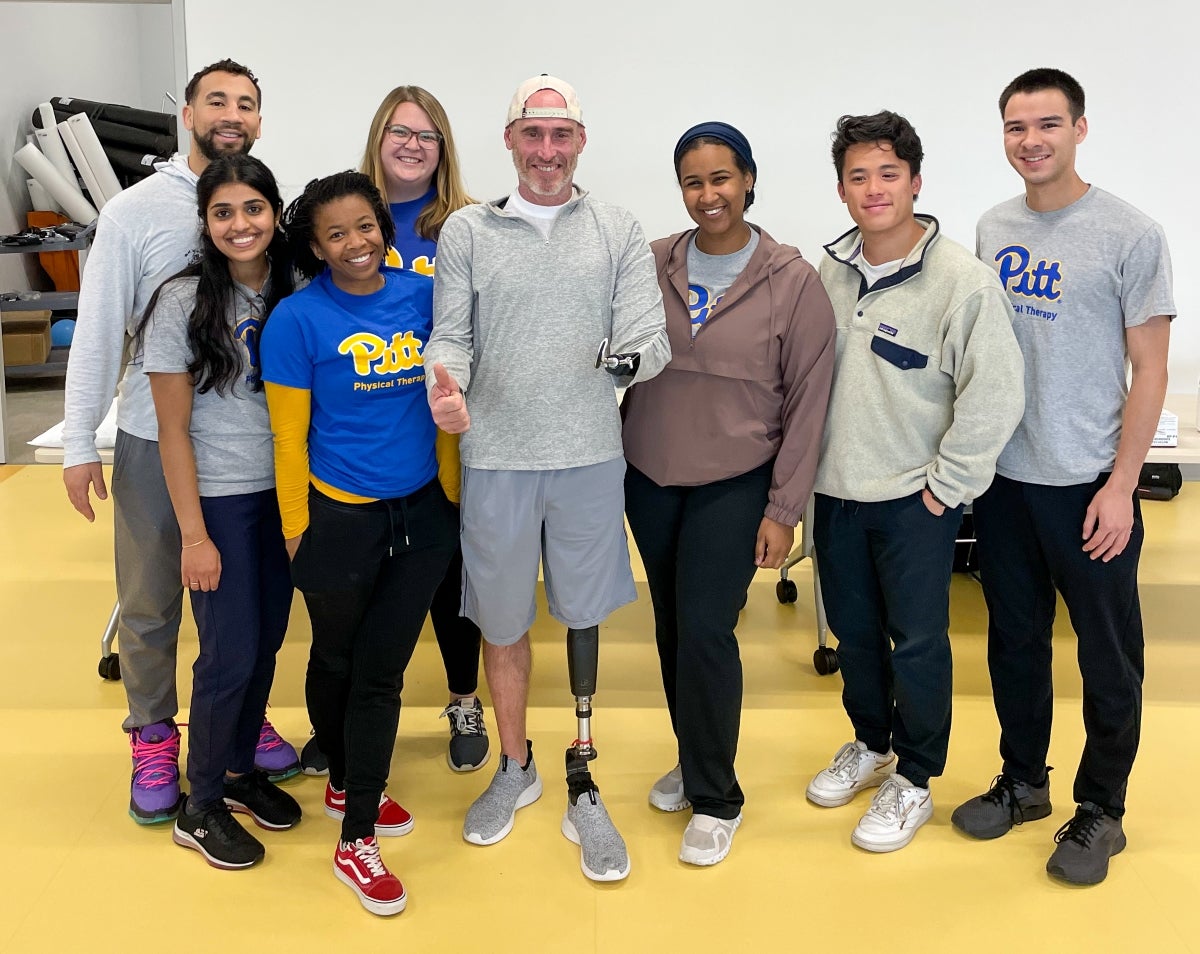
{"x":1031,"y":544}
{"x":697,"y":545}
{"x":368,"y":573}
{"x":241,"y":626}
{"x":885,"y":579}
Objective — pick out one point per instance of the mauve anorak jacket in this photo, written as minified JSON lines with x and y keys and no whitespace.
{"x":751,"y":386}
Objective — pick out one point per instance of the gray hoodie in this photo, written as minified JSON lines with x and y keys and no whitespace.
{"x":144,"y":236}
{"x":517,"y":319}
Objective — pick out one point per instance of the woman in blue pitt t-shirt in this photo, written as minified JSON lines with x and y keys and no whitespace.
{"x":410,"y":156}
{"x":366,"y":522}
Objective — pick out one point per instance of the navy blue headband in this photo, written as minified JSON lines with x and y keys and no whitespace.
{"x":727,"y":134}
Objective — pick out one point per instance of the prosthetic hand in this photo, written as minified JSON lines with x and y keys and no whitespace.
{"x":618,"y":365}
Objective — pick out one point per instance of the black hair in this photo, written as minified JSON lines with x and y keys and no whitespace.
{"x":300,"y":219}
{"x":1045,"y":77}
{"x":742,"y":166}
{"x":221,"y":66}
{"x":884,"y":126}
{"x":216,"y":356}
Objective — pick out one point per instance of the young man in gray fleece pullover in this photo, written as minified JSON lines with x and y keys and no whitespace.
{"x":526,"y":290}
{"x":927,"y":389}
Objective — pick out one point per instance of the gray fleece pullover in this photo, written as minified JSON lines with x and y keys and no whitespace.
{"x":517,"y":322}
{"x":928,"y":385}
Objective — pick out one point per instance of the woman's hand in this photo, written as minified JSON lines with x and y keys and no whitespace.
{"x":292,"y":544}
{"x":932,"y":504}
{"x":774,"y":543}
{"x":200,"y":567}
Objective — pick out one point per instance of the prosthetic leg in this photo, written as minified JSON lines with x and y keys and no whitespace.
{"x":603,"y":856}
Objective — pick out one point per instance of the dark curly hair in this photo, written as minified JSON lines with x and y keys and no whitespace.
{"x":300,"y":219}
{"x":221,"y":66}
{"x":885,"y":126}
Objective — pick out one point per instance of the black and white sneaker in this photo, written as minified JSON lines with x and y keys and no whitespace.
{"x":468,"y":749}
{"x":215,"y":833}
{"x":256,"y":795}
{"x":312,"y":759}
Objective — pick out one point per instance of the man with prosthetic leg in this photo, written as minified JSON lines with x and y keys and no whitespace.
{"x":526,"y":288}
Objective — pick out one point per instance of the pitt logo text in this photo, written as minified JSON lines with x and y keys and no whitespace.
{"x":1040,"y":281}
{"x":373,"y":355}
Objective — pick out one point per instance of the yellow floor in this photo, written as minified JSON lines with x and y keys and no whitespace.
{"x":78,"y":875}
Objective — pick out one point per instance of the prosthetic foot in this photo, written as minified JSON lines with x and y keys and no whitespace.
{"x":603,"y":856}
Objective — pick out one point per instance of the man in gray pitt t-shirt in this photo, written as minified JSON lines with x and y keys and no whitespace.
{"x":528,"y":290}
{"x":1089,"y":279}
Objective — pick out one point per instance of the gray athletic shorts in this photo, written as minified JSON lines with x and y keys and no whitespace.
{"x":573,"y":520}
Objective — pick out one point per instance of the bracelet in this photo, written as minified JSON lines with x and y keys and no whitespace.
{"x":188,"y":546}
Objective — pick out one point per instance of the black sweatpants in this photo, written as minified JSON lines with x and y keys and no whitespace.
{"x":1031,"y":544}
{"x":368,"y":573}
{"x":697,"y":545}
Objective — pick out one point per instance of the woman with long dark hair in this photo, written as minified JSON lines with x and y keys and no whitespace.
{"x":367,"y":524}
{"x":200,"y":340}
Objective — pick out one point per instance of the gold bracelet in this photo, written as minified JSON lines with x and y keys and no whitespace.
{"x":188,"y":546}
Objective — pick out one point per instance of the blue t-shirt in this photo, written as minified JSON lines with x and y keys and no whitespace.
{"x":362,"y":359}
{"x":411,"y":250}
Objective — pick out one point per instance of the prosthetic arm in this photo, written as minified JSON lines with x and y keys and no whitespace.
{"x":583,"y":652}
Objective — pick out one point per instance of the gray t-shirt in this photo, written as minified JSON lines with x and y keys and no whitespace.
{"x":709,"y":277}
{"x":231,"y":434}
{"x":1077,"y":278}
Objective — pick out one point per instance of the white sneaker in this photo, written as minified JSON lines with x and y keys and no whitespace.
{"x":667,"y":793}
{"x":898,"y":809}
{"x":707,"y":840}
{"x":854,"y":768}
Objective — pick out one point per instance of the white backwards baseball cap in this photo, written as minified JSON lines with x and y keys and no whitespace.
{"x":518,"y":110}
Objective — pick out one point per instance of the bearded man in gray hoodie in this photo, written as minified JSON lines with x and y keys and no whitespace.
{"x":145,"y":235}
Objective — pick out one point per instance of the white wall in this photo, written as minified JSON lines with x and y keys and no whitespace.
{"x":111,"y":52}
{"x":783,"y":72}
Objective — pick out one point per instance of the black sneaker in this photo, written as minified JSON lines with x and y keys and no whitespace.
{"x":257,"y":796}
{"x":468,"y":736}
{"x":312,"y":759}
{"x":1085,"y":844}
{"x":215,"y":833}
{"x":1008,"y":802}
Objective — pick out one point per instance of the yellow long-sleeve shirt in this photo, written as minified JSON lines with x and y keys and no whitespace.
{"x":291,"y":415}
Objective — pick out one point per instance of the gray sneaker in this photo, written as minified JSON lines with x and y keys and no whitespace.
{"x":602,"y":855}
{"x":490,"y":818}
{"x":667,"y":793}
{"x":468,"y":736}
{"x":1085,"y":844}
{"x":1008,"y":802}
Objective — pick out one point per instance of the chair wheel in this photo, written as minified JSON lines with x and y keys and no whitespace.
{"x":785,"y":591}
{"x":825,"y":661}
{"x":110,"y":668}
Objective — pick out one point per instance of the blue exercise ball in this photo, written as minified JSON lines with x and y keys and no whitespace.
{"x":61,"y":333}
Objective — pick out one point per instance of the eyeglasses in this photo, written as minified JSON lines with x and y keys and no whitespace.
{"x":428,"y":138}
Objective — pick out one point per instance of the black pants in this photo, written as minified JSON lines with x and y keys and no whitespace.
{"x":368,"y":573}
{"x":885,"y":579}
{"x":1030,"y":544}
{"x":457,"y":637}
{"x":697,"y":544}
